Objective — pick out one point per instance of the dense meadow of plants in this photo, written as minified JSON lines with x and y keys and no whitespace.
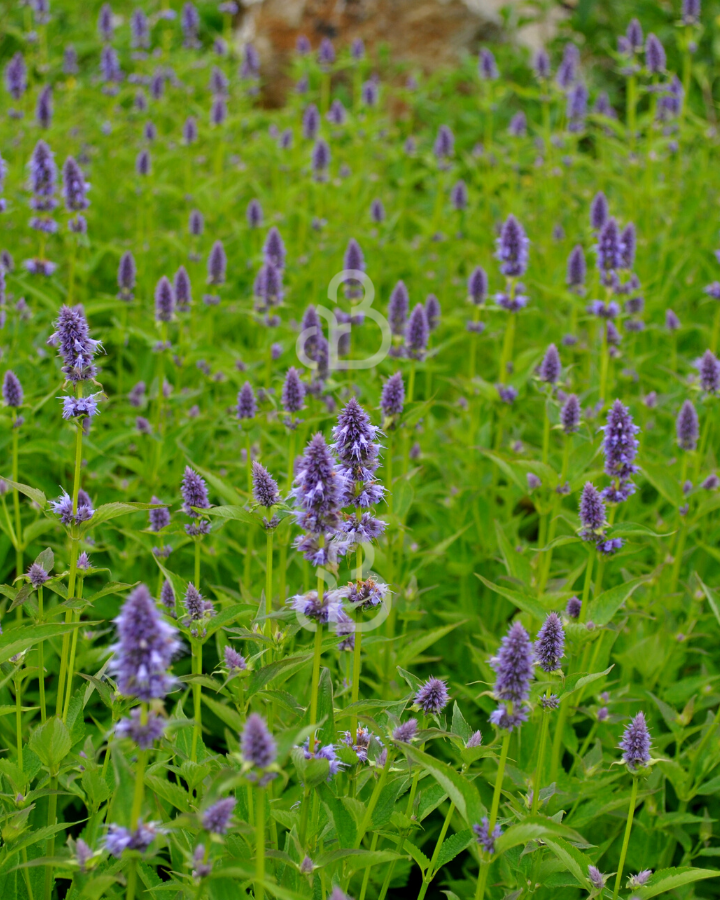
{"x":360,"y":509}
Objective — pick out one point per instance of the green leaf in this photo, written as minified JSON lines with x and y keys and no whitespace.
{"x":345,"y":826}
{"x":414,"y":648}
{"x":403,"y":496}
{"x":454,"y":845}
{"x":226,"y":714}
{"x":603,"y":608}
{"x":518,"y":567}
{"x":357,"y":859}
{"x":172,"y":793}
{"x":576,"y":682}
{"x":236,"y":513}
{"x":228,"y":615}
{"x":11,"y":643}
{"x":711,"y":599}
{"x":33,"y":493}
{"x":524,"y":603}
{"x":459,"y":726}
{"x":51,"y":742}
{"x":530,"y":829}
{"x":287,"y":667}
{"x":664,"y":483}
{"x":325,"y":714}
{"x":668,"y":879}
{"x":112,"y":510}
{"x":569,"y":856}
{"x":462,"y":792}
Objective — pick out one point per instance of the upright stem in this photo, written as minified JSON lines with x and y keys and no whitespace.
{"x":411,"y":383}
{"x":50,"y":846}
{"x":71,"y":664}
{"x":631,"y":105}
{"x":508,"y":341}
{"x":317,"y":652}
{"x":374,"y":797}
{"x":260,"y":844}
{"x":483,"y":870}
{"x":16,"y":505}
{"x":197,"y":563}
{"x":137,"y":806}
{"x":268,"y":582}
{"x":73,"y":557}
{"x":537,"y":783}
{"x":604,"y":359}
{"x":430,"y":873}
{"x":18,"y":718}
{"x":41,"y":660}
{"x":197,"y":696}
{"x":626,"y":839}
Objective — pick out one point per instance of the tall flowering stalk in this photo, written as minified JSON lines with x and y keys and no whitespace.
{"x":358,"y":450}
{"x":635,"y":745}
{"x":267,"y":496}
{"x":318,"y":493}
{"x":513,"y":253}
{"x":13,"y":396}
{"x":549,"y":650}
{"x":77,"y":350}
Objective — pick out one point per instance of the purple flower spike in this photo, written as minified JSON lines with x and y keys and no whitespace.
{"x":417,"y":333}
{"x":75,"y":345}
{"x":159,"y":518}
{"x":433,"y":697}
{"x":257,"y":744}
{"x":194,"y":492}
{"x":142,"y":163}
{"x":164,"y":301}
{"x":16,"y":76}
{"x":143,"y":734}
{"x":293,"y":392}
{"x":512,"y":248}
{"x":145,"y":648}
{"x":598,"y":211}
{"x":254,"y":214}
{"x":44,"y":108}
{"x":597,"y":879}
{"x":432,"y":311}
{"x":550,"y":645}
{"x":687,"y":427}
{"x":326,"y":53}
{"x":478,"y":286}
{"x":37,"y":575}
{"x":709,"y":369}
{"x":265,"y":489}
{"x":167,"y":597}
{"x":12,"y":390}
{"x":182,"y":289}
{"x":576,"y":268}
{"x":195,"y":223}
{"x":620,"y":449}
{"x":541,"y":65}
{"x":126,"y":276}
{"x":398,"y":308}
{"x":550,"y":367}
{"x":484,"y":837}
{"x":392,"y":400}
{"x":444,"y":143}
{"x":377,"y":211}
{"x":246,"y":403}
{"x":487,"y":68}
{"x":654,"y":55}
{"x":318,"y":492}
{"x":572,"y":610}
{"x":570,"y":414}
{"x":274,"y":249}
{"x":635,"y":743}
{"x":513,"y":666}
{"x":567,"y":70}
{"x":592,"y":512}
{"x":691,"y":12}
{"x":406,"y":732}
{"x":217,"y":264}
{"x":217,"y":818}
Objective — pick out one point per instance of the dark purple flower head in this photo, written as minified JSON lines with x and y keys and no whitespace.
{"x":250,"y":68}
{"x":567,"y":70}
{"x":577,"y":101}
{"x":16,"y":76}
{"x":406,"y":732}
{"x":257,"y":744}
{"x":459,"y":195}
{"x":550,"y":644}
{"x":75,"y":345}
{"x":310,"y":122}
{"x":194,"y":492}
{"x":354,"y":256}
{"x":432,"y":311}
{"x":197,"y":608}
{"x":126,"y":276}
{"x":512,"y":248}
{"x":145,"y":648}
{"x":318,"y":492}
{"x":603,"y":107}
{"x":691,"y":12}
{"x":326,"y":53}
{"x":246,"y":403}
{"x":182,"y":289}
{"x":140,"y":31}
{"x":477,"y":286}
{"x":541,"y":65}
{"x":189,"y":130}
{"x":392,"y":399}
{"x":711,"y":483}
{"x":432,"y":697}
{"x":709,"y":369}
{"x":576,"y":268}
{"x":110,"y":66}
{"x":293,"y":392}
{"x":377,"y":211}
{"x":254,"y":213}
{"x":592,"y":512}
{"x":190,"y":22}
{"x":634,"y":35}
{"x":628,"y":241}
{"x":217,"y":264}
{"x":43,"y":178}
{"x":195,"y":223}
{"x":398,"y":308}
{"x":574,"y":605}
{"x":518,"y":125}
{"x":159,"y":518}
{"x":302,"y":45}
{"x":37,"y":575}
{"x":570,"y":414}
{"x":635,"y":743}
{"x":167,"y":596}
{"x":484,"y":837}
{"x":12,"y":390}
{"x":687,"y":426}
{"x":487,"y":68}
{"x":609,"y":248}
{"x":369,"y":93}
{"x":598,"y":211}
{"x":265,"y":489}
{"x":164,"y":301}
{"x":654,"y":55}
{"x":444,"y":143}
{"x":218,"y":82}
{"x":105,"y":23}
{"x":144,"y":734}
{"x":620,"y":444}
{"x":320,"y":159}
{"x":274,"y":249}
{"x":513,"y":666}
{"x":142,"y":163}
{"x":417,"y":333}
{"x":550,"y":367}
{"x":597,"y":879}
{"x":217,"y":818}
{"x":357,"y":49}
{"x":44,"y":107}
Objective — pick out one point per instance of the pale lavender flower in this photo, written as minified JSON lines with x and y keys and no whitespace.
{"x":597,"y":879}
{"x":265,"y":489}
{"x":432,"y":697}
{"x":143,"y":734}
{"x":398,"y":308}
{"x":194,"y":492}
{"x":159,"y":518}
{"x":75,"y":345}
{"x":513,"y":666}
{"x":257,"y":744}
{"x":484,"y":837}
{"x":12,"y":390}
{"x":512,"y":248}
{"x":246,"y":402}
{"x":687,"y":427}
{"x":217,"y":818}
{"x":635,"y":743}
{"x":318,"y":492}
{"x":37,"y":575}
{"x":234,"y":662}
{"x":406,"y":732}
{"x":550,"y":644}
{"x":550,"y":367}
{"x":620,"y":449}
{"x":654,"y":55}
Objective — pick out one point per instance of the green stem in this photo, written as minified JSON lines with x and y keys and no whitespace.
{"x":317,"y":653}
{"x":197,"y":697}
{"x":484,"y":866}
{"x":16,"y":505}
{"x":197,"y":563}
{"x":366,"y":876}
{"x":374,"y":797}
{"x":41,"y":660}
{"x":260,"y":845}
{"x":50,"y":846}
{"x":73,"y":650}
{"x":508,"y":341}
{"x":540,"y":760}
{"x":18,"y":720}
{"x":268,"y":582}
{"x":431,"y":873}
{"x":604,"y":359}
{"x":626,"y":839}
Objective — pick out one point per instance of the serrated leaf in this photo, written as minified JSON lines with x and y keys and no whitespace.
{"x":33,"y":493}
{"x":603,"y":608}
{"x":522,"y":601}
{"x":669,"y":879}
{"x":109,"y":511}
{"x":454,"y":845}
{"x":569,"y":856}
{"x":462,"y":792}
{"x":51,"y":742}
{"x":531,"y":829}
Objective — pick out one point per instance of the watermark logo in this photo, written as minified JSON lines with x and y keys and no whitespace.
{"x":338,"y":329}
